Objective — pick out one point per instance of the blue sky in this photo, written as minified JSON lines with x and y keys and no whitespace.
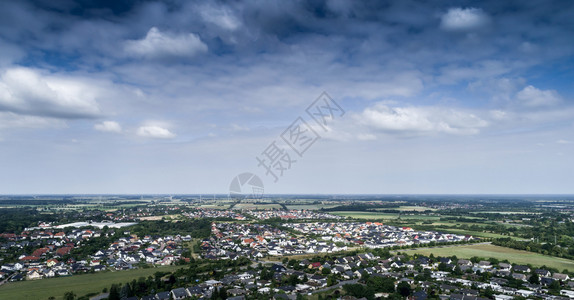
{"x":181,"y":96}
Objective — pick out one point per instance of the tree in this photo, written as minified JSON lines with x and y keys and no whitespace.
{"x":534,"y":279}
{"x":443,"y":267}
{"x":359,"y":291}
{"x":554,"y":286}
{"x":331,"y":280}
{"x":404,"y":289}
{"x":125,"y":291}
{"x":69,"y":296}
{"x":114,"y":293}
{"x":381,"y":284}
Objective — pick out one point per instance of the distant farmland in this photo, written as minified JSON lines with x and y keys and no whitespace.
{"x":371,"y":215}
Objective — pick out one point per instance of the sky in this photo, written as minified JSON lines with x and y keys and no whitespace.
{"x":180,"y":97}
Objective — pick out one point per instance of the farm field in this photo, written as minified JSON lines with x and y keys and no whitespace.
{"x":310,"y":206}
{"x":506,"y":212}
{"x":214,"y":206}
{"x":474,"y":233}
{"x":382,"y":216}
{"x":257,"y":206}
{"x":488,"y":250}
{"x":410,"y":208}
{"x":79,"y":284}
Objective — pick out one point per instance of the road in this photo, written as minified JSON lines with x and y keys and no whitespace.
{"x":6,"y":280}
{"x":336,"y":286}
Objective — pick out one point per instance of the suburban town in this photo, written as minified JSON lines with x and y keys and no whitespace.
{"x":274,"y":253}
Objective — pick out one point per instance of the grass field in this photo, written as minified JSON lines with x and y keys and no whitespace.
{"x":415,"y":208}
{"x":507,"y":212}
{"x":257,"y":206}
{"x":487,"y":250}
{"x":474,"y":233}
{"x":310,"y":206}
{"x":79,"y":284}
{"x":382,"y":216}
{"x":214,"y":206}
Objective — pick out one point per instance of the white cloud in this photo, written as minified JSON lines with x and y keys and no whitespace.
{"x":533,"y":97}
{"x":464,"y":19}
{"x":565,"y":142}
{"x":418,"y":120}
{"x":9,"y":120}
{"x":498,"y":114}
{"x":220,"y":16}
{"x":108,"y":126}
{"x":159,"y":44}
{"x":154,"y":131}
{"x":236,"y":127}
{"x":30,"y":92}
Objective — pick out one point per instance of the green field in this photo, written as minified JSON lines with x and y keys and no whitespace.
{"x":79,"y":284}
{"x":382,"y":216}
{"x":487,"y":251}
{"x":257,"y":206}
{"x":310,"y":206}
{"x":215,"y":206}
{"x":507,"y":212}
{"x":474,"y":233}
{"x":413,"y":208}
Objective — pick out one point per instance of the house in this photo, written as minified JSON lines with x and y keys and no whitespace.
{"x":281,"y":297}
{"x":445,"y":260}
{"x":17,"y":277}
{"x":314,"y":265}
{"x":519,"y":276}
{"x":543,"y":272}
{"x":560,"y":276}
{"x":51,"y":262}
{"x":504,"y":267}
{"x":420,"y":295}
{"x":546,"y":281}
{"x":195,"y":291}
{"x":33,"y":275}
{"x":237,"y":292}
{"x":464,"y":262}
{"x":162,"y":296}
{"x":522,"y":269}
{"x":279,"y":268}
{"x":179,"y":293}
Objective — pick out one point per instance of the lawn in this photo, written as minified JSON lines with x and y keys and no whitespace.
{"x":488,"y":250}
{"x":79,"y":284}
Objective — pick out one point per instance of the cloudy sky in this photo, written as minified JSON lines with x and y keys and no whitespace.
{"x":182,"y":96}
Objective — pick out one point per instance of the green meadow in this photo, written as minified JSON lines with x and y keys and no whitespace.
{"x":79,"y":284}
{"x":501,"y":253}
